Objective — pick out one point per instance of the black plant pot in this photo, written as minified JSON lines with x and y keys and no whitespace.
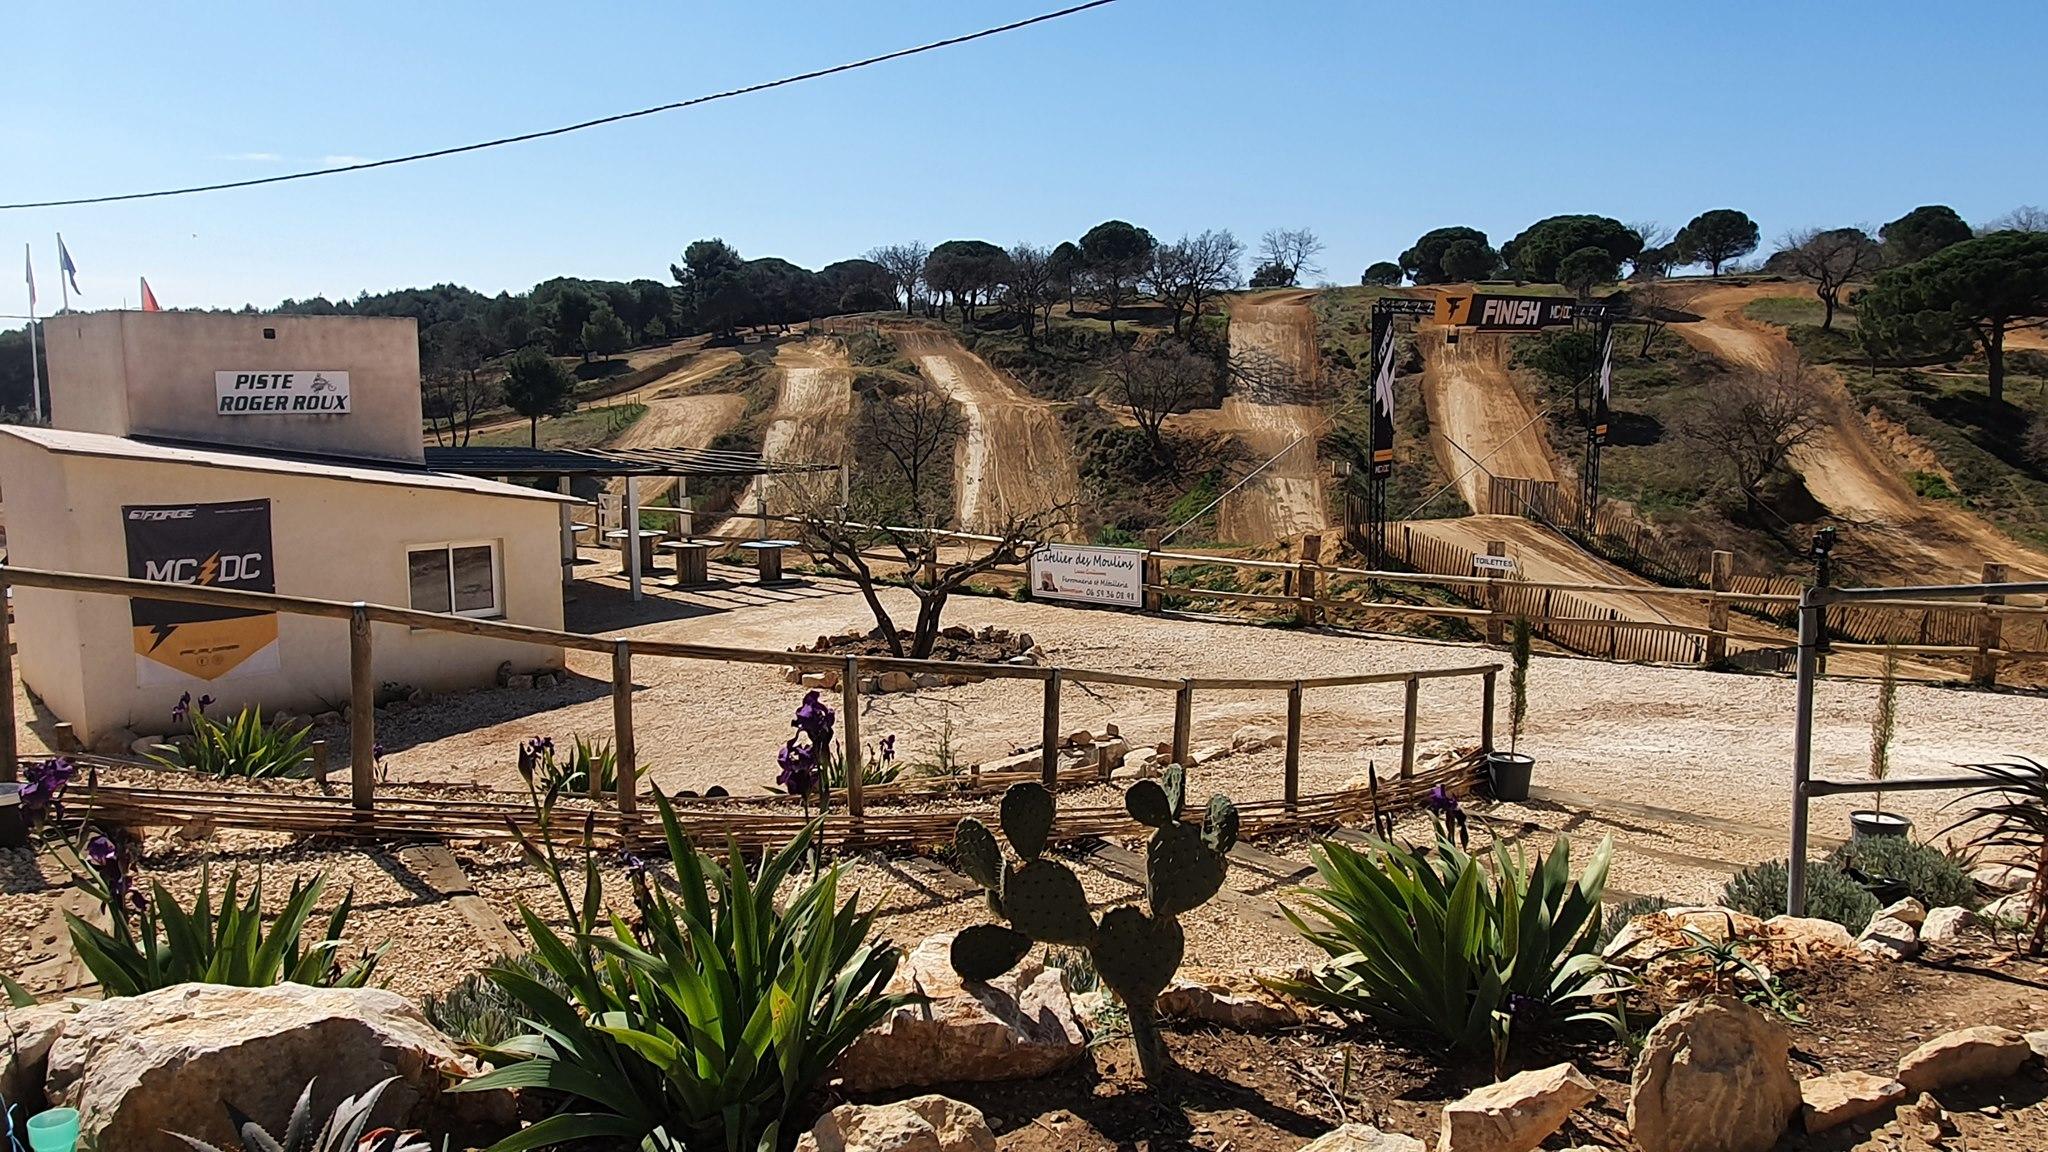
{"x":1867,"y":822}
{"x":1508,"y":774}
{"x":13,"y":829}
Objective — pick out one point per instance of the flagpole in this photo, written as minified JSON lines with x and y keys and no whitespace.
{"x":63,"y":286}
{"x":35,"y":366}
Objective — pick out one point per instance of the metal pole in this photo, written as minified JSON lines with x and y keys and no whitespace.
{"x":9,"y":752}
{"x":35,"y":367}
{"x":1291,"y":780}
{"x":633,"y":535}
{"x":568,"y":536}
{"x":1802,"y":751}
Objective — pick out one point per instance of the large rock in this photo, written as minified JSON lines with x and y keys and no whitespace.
{"x":1965,"y":1056}
{"x":1946,"y":925}
{"x":1889,"y":939}
{"x":1019,"y":1026}
{"x":171,"y":1059}
{"x":1713,"y":1078}
{"x":1362,"y":1138}
{"x":1253,"y":737}
{"x":1517,"y":1114}
{"x":1811,"y":934}
{"x":919,"y":1124}
{"x":1844,"y":1096}
{"x":1227,"y":998}
{"x":26,"y":1037}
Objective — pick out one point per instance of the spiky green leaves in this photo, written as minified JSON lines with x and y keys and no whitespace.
{"x":1219,"y":824}
{"x":986,"y":951}
{"x":1181,"y":872}
{"x":980,"y":856}
{"x":1146,"y":802}
{"x":1136,"y":955}
{"x":1027,"y":811}
{"x":1043,"y":900}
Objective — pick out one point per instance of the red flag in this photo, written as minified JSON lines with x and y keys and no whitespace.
{"x":149,"y":303}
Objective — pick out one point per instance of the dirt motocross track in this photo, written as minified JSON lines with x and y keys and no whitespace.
{"x":1898,"y":537}
{"x":1014,"y":459}
{"x":812,"y":409}
{"x":1275,"y":368}
{"x":1480,"y":423}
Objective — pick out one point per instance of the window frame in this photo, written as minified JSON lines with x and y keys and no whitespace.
{"x":448,"y":549}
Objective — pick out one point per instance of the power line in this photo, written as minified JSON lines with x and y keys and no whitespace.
{"x":568,"y":128}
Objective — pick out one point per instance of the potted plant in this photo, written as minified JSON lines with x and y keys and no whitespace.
{"x":1509,"y":771}
{"x":1874,"y":820}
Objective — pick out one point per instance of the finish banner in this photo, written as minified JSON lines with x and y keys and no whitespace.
{"x":1489,"y":313}
{"x":214,"y":545}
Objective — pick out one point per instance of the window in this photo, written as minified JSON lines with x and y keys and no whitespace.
{"x":458,"y":578}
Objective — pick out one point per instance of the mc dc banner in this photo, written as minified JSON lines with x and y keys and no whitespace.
{"x":215,"y":545}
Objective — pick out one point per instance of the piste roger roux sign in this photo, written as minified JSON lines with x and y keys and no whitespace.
{"x":298,"y":393}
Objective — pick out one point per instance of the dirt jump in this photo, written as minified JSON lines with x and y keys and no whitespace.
{"x":1480,"y":424}
{"x":1898,"y":537}
{"x":1015,"y":459}
{"x":1272,"y":410}
{"x":676,"y":419}
{"x":813,"y":406}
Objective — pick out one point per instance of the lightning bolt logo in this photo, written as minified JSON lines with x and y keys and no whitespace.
{"x":162,"y":632}
{"x":207,"y":570}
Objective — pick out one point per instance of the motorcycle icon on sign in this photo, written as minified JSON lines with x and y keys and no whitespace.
{"x":322,"y":383}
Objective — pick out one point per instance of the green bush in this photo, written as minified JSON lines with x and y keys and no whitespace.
{"x":1436,"y":942}
{"x":1830,"y":894}
{"x":244,"y":747}
{"x":215,"y":942}
{"x":480,"y":1013}
{"x":1932,"y":877}
{"x":707,"y":1025}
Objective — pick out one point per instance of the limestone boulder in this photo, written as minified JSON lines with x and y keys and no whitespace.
{"x":1965,"y":1056}
{"x":1947,"y":925}
{"x":171,"y":1059}
{"x":1837,"y":1098}
{"x":1253,"y":737}
{"x":1362,"y":1138}
{"x":1657,"y":932}
{"x":1908,"y":911}
{"x":1231,"y":999}
{"x":1019,"y":1026}
{"x":2038,"y":1041}
{"x":919,"y":1124}
{"x":26,"y":1037}
{"x":1811,"y":934}
{"x":1517,"y":1114}
{"x":1888,"y":938}
{"x":1713,"y":1077}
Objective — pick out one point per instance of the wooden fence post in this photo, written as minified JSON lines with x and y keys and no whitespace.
{"x":1292,"y":780}
{"x":1305,"y":580}
{"x":1486,"y":699}
{"x":1183,"y":720}
{"x":1493,"y":593}
{"x":1149,"y":570}
{"x":1720,"y":578}
{"x":1049,"y":732}
{"x":1984,"y":666}
{"x":622,"y":732}
{"x":1408,"y":727}
{"x":9,"y":750}
{"x":849,"y":736}
{"x":362,"y":712}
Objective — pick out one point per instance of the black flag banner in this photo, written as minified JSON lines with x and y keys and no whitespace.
{"x":1383,"y":399}
{"x":216,"y":545}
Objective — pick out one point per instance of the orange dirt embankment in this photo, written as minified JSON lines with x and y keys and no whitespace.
{"x":1899,"y":537}
{"x":1272,"y":411}
{"x":1480,"y":424}
{"x":1016,"y":458}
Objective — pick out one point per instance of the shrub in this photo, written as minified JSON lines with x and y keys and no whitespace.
{"x":347,"y":1128}
{"x":244,"y":747}
{"x":1831,"y":894}
{"x":1431,"y":940}
{"x":1932,"y":877}
{"x":706,"y":1025}
{"x":480,"y":1013}
{"x":555,"y":778}
{"x":155,"y":942}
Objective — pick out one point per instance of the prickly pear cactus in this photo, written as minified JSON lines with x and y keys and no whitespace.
{"x":1135,"y":950}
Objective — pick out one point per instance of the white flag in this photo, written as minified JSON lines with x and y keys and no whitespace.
{"x":1383,"y":384}
{"x":31,"y":259}
{"x":1607,"y":369}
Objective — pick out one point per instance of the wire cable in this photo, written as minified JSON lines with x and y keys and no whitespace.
{"x":568,"y":128}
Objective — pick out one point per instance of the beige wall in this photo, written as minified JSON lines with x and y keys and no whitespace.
{"x":331,"y":538}
{"x":151,"y":374}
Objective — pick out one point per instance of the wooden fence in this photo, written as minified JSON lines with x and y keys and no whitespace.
{"x":1611,"y":532}
{"x":622,"y":652}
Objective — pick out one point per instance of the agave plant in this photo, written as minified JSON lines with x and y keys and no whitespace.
{"x":2011,"y":812}
{"x":1430,"y":940}
{"x":708,"y":1024}
{"x":347,"y":1129}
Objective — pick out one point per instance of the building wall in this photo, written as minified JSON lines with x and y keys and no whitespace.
{"x":331,"y":539}
{"x":152,"y":374}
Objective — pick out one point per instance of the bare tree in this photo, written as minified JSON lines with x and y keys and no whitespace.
{"x":1752,"y":421}
{"x":1831,"y":258}
{"x":905,"y":265}
{"x":2025,"y":218}
{"x":1190,"y":273}
{"x":1295,"y":249}
{"x":454,"y":386}
{"x":1030,"y":288}
{"x":1159,"y":381}
{"x":895,"y":510}
{"x":1650,"y":303}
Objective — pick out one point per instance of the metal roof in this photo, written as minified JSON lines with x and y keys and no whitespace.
{"x":516,"y":461}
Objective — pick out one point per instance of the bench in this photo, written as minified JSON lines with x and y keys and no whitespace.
{"x":649,"y":537}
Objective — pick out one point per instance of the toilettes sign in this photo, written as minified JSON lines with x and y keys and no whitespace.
{"x":272,"y":393}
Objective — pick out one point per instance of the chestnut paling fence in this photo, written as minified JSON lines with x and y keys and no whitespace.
{"x":850,"y":823}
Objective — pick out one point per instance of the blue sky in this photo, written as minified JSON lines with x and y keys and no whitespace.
{"x":1369,"y":122}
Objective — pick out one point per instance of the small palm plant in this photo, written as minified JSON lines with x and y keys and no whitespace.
{"x":2011,"y":812}
{"x":1884,"y":721}
{"x":347,"y":1129}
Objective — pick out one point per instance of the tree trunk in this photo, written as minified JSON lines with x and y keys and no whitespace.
{"x":927,"y":635}
{"x":533,"y":432}
{"x":1994,"y":357}
{"x":882,"y":620}
{"x":1827,"y":323}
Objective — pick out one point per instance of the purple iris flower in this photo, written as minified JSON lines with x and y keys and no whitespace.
{"x":814,"y":718}
{"x":42,"y":787}
{"x":1441,"y":801}
{"x":205,"y":702}
{"x":181,"y":709}
{"x":101,"y":853}
{"x":636,"y":864}
{"x":799,"y":767}
{"x":889,"y":748}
